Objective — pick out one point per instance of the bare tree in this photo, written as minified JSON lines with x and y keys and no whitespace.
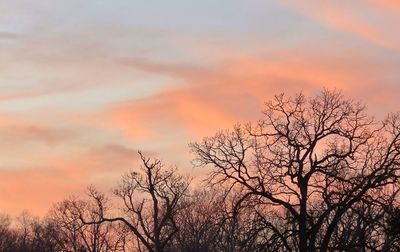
{"x":393,"y":230}
{"x":75,"y":236}
{"x":27,"y":233}
{"x":45,"y":237}
{"x":7,"y":236}
{"x":310,"y":159}
{"x":151,"y":200}
{"x":201,"y":222}
{"x":250,"y":225}
{"x":209,"y":222}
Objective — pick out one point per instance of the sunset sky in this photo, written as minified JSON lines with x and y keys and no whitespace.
{"x":85,"y":84}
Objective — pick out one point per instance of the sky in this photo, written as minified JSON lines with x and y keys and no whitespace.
{"x":86,"y":84}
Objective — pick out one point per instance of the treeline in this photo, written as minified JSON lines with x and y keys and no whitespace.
{"x":314,"y":174}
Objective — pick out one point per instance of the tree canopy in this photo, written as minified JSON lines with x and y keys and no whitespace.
{"x":315,"y":173}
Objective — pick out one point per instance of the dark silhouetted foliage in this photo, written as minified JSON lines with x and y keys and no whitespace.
{"x":314,"y":174}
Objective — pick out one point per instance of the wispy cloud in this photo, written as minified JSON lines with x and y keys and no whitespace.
{"x":354,"y":19}
{"x":387,"y":5}
{"x":235,"y":91}
{"x":36,"y":188}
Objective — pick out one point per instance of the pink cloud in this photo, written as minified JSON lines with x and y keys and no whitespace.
{"x":388,"y":5}
{"x":34,"y":189}
{"x":37,"y":188}
{"x":207,"y":100}
{"x":347,"y":17}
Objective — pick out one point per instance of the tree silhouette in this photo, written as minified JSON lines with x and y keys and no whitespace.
{"x":312,"y":159}
{"x":74,"y":235}
{"x":314,"y":174}
{"x":150,"y":200}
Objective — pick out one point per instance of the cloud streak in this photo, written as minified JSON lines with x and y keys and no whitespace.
{"x":352,"y":19}
{"x":234,"y":91}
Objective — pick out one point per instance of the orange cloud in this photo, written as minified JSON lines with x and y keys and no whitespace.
{"x":37,"y":188}
{"x":346,"y":17}
{"x":189,"y":112}
{"x":34,"y":189}
{"x":388,"y":5}
{"x":234,"y":91}
{"x":36,"y":133}
{"x":112,"y":158}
